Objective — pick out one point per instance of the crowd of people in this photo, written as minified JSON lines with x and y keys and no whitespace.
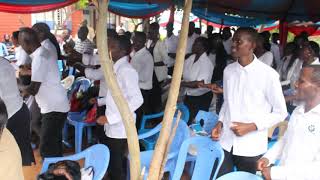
{"x":244,"y":75}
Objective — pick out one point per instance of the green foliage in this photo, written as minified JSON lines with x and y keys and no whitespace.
{"x":82,"y":4}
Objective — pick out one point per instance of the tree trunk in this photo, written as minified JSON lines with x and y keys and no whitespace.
{"x":126,"y":114}
{"x":158,"y":156}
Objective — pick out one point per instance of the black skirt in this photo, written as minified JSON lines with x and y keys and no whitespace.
{"x":19,"y":126}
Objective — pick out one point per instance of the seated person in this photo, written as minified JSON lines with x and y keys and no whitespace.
{"x":299,"y":148}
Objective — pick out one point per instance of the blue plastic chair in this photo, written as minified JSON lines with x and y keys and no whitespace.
{"x":76,"y":118}
{"x":207,"y":152}
{"x":60,"y":67}
{"x":209,"y":119}
{"x":182,"y":133}
{"x":96,"y":156}
{"x":149,"y":142}
{"x":239,"y":175}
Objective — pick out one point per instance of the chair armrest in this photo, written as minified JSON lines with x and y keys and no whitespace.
{"x":150,"y":133}
{"x":146,"y":118}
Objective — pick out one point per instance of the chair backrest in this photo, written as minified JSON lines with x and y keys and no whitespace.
{"x":81,"y":84}
{"x":283,"y":125}
{"x":207,"y":152}
{"x":240,"y":175}
{"x":209,"y":119}
{"x":182,"y":133}
{"x":96,"y":156}
{"x":185,"y":113}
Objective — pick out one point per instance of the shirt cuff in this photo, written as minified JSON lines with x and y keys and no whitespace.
{"x":113,"y":119}
{"x":278,"y":172}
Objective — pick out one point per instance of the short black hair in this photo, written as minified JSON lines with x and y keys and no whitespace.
{"x":84,"y":28}
{"x":315,"y":47}
{"x":253,"y":34}
{"x":124,"y":43}
{"x":30,"y":36}
{"x":15,"y":34}
{"x":43,"y":27}
{"x":140,"y":35}
{"x":204,"y":42}
{"x":112,"y":32}
{"x":3,"y":116}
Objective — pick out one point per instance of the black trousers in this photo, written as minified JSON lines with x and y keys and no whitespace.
{"x":19,"y":126}
{"x":99,"y":129}
{"x":196,"y":103}
{"x":242,"y":163}
{"x":156,"y":102}
{"x":145,"y":108}
{"x":118,"y":150}
{"x":170,"y":70}
{"x":51,"y":134}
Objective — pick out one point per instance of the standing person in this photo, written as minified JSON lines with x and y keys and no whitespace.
{"x":18,"y":113}
{"x":227,"y":39}
{"x":47,"y":39}
{"x":10,"y":156}
{"x":83,"y":45}
{"x":158,"y":49}
{"x":253,"y":102}
{"x":299,"y":148}
{"x":142,"y":62}
{"x":262,"y":53}
{"x":128,"y":80}
{"x":48,"y":91}
{"x":171,"y":43}
{"x":197,"y":68}
{"x":192,"y":36}
{"x":275,"y":49}
{"x":209,"y":31}
{"x":20,"y":55}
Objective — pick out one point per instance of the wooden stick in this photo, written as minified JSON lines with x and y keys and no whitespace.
{"x":172,"y":135}
{"x":160,"y":148}
{"x":126,"y":114}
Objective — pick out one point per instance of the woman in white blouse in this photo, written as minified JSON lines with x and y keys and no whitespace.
{"x":262,"y":53}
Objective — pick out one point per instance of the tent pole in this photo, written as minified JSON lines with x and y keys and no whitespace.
{"x":158,"y":155}
{"x":121,"y":103}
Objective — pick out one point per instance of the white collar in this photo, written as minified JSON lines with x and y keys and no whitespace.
{"x":140,"y":51}
{"x":37,"y":51}
{"x":121,"y":61}
{"x":301,"y":109}
{"x":45,"y":41}
{"x":249,"y":66}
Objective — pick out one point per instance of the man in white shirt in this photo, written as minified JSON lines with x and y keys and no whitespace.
{"x":299,"y":148}
{"x":128,"y":80}
{"x":197,"y":69}
{"x":159,"y":52}
{"x":192,"y":36}
{"x":253,"y":102}
{"x":262,"y":53}
{"x":142,"y":62}
{"x":48,"y":91}
{"x":227,"y":39}
{"x":171,"y":43}
{"x":83,"y":45}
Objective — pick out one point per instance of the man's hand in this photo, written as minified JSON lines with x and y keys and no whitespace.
{"x":262,"y":163}
{"x":266,"y":173}
{"x":213,"y":87}
{"x":241,"y":129}
{"x":102,"y":120}
{"x":216,"y":131}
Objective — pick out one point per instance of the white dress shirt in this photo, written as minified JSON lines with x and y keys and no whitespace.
{"x":172,"y":45}
{"x":50,"y":47}
{"x":96,"y":75}
{"x":227,"y":45}
{"x":275,"y":49}
{"x":160,"y":54}
{"x":267,"y":58}
{"x":299,"y":148}
{"x":252,"y":94}
{"x":9,"y":91}
{"x":51,"y":97}
{"x":142,"y":62}
{"x":190,"y":42}
{"x":21,"y":56}
{"x":200,"y":70}
{"x":212,"y":58}
{"x":128,"y":81}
